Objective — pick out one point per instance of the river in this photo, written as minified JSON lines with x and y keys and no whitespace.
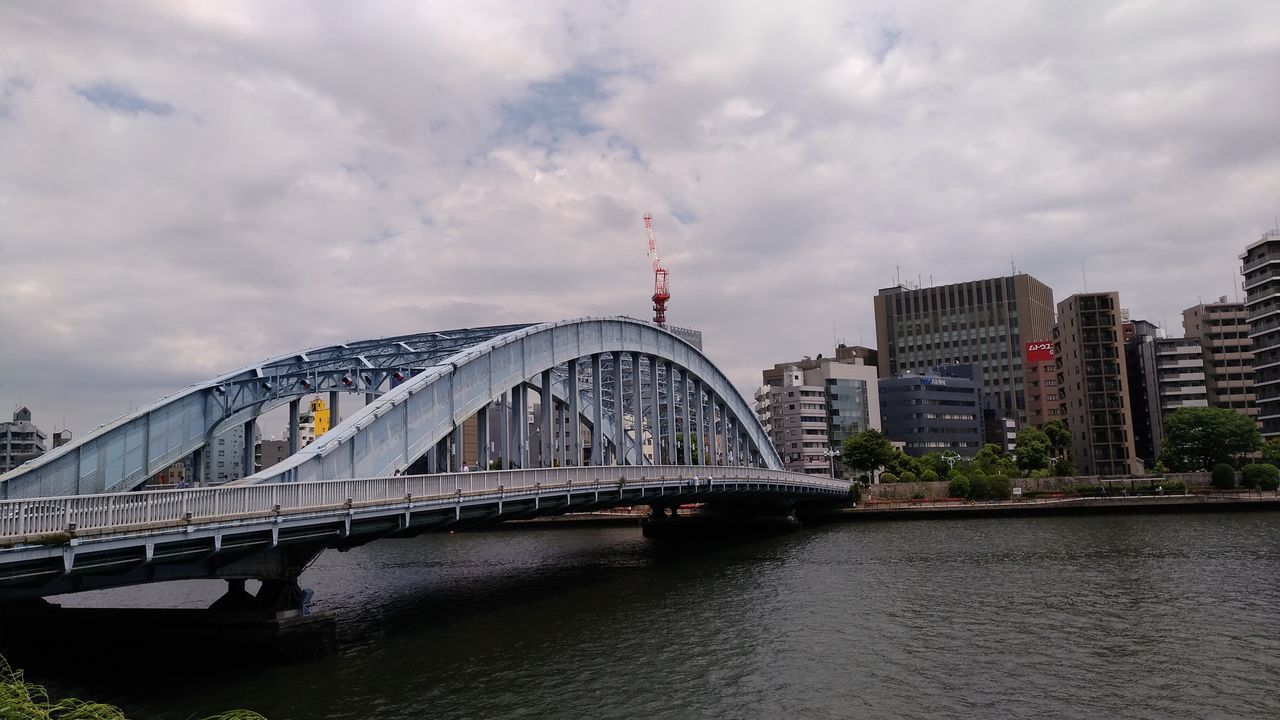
{"x":1068,"y":617}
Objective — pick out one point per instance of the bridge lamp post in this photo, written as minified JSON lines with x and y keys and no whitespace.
{"x":831,"y":458}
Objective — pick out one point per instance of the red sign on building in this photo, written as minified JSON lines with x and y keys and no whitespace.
{"x":1038,"y":352}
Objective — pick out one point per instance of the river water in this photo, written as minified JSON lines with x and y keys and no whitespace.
{"x":1075,"y":617}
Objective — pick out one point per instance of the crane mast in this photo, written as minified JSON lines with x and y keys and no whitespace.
{"x":660,"y":292}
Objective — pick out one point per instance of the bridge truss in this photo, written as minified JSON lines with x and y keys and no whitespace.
{"x":612,"y":391}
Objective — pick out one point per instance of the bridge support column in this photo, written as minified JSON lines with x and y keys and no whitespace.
{"x":504,"y":421}
{"x":637,"y":408}
{"x":334,"y":417}
{"x":671,"y":415}
{"x":685,"y":439}
{"x":197,"y":467}
{"x":293,"y":424}
{"x":433,"y":459}
{"x":522,"y":423}
{"x":546,"y":411}
{"x":455,"y":437}
{"x":699,"y":419}
{"x":369,"y":397}
{"x":482,"y":438}
{"x":722,"y":437}
{"x":619,"y":410}
{"x":560,"y":436}
{"x":655,"y":424}
{"x":574,"y":439}
{"x":597,"y":400}
{"x":247,"y":452}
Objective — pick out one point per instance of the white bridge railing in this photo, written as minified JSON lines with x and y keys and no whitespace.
{"x":81,"y":513}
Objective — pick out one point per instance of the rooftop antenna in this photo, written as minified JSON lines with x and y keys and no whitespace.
{"x":1013,"y":269}
{"x":1084,"y":277}
{"x":897,"y":269}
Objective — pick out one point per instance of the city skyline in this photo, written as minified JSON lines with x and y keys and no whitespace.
{"x":200,"y":187}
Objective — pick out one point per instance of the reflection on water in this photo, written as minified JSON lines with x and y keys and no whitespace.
{"x":1146,"y":617}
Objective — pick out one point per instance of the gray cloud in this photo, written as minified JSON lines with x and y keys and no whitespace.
{"x":190,"y":187}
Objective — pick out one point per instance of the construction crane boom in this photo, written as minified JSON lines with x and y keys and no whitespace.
{"x":661,"y":294}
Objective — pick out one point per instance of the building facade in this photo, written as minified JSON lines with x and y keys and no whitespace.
{"x":938,"y":411}
{"x":20,"y":440}
{"x":1040,"y":382}
{"x":810,"y":407}
{"x":984,"y":323}
{"x":1223,"y":331}
{"x":1093,"y":384}
{"x":1164,"y":374}
{"x":1261,"y":268}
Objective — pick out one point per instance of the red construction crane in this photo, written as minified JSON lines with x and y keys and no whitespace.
{"x":660,"y":293}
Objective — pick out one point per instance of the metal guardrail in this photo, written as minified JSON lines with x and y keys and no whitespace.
{"x":151,"y":508}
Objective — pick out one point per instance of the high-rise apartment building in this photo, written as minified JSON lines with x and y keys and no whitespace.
{"x":20,"y":440}
{"x":1223,"y":331}
{"x":1164,"y":374}
{"x":1261,"y":268}
{"x":984,"y":323}
{"x":1092,"y":383}
{"x":1040,"y":382}
{"x":811,"y":406}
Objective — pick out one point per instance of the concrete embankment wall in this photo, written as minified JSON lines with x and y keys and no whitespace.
{"x":938,"y":490}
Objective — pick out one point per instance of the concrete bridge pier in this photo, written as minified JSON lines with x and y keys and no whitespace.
{"x":721,"y":521}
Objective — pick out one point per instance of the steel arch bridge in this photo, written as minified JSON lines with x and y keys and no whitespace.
{"x":640,"y":394}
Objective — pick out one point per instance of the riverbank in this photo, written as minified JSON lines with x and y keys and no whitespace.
{"x":1117,"y":504}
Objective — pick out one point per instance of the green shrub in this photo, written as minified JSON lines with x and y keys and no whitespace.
{"x":1255,"y":475}
{"x":888,"y":477}
{"x":1269,"y":483}
{"x":1063,"y":467}
{"x":979,"y":487}
{"x":929,"y":476}
{"x":1224,"y":476}
{"x":958,"y":487}
{"x":917,"y":495}
{"x":999,"y":488}
{"x":907,"y":476}
{"x":1037,"y":474}
{"x":855,"y":492}
{"x":1174,"y":487}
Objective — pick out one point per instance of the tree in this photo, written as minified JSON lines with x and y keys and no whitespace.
{"x":1198,"y":438}
{"x":928,"y":475}
{"x":933,"y":461}
{"x":901,"y":464}
{"x":992,"y":460}
{"x":1033,"y":450}
{"x":979,"y":487}
{"x":888,"y":477}
{"x":1000,"y":488}
{"x":1271,"y":452}
{"x":1224,"y":476}
{"x":907,"y":477}
{"x":1059,"y":437}
{"x":866,"y":451}
{"x":1064,"y":467}
{"x":1260,"y":475}
{"x":958,"y":487}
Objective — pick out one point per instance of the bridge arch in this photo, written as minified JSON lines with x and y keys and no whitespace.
{"x":419,"y":389}
{"x":386,"y":436}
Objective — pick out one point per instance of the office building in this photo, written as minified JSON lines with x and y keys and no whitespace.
{"x":20,"y":440}
{"x":984,"y":323}
{"x":1093,"y":384}
{"x":270,"y":452}
{"x":1261,"y":268}
{"x":811,"y":406}
{"x":1223,"y":331}
{"x":937,"y":411}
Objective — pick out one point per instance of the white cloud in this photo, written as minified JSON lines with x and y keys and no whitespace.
{"x":189,"y":187}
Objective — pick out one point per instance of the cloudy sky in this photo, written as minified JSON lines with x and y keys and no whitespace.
{"x":186,"y":188}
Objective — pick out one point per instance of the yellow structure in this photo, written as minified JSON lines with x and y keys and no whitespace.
{"x":320,"y":411}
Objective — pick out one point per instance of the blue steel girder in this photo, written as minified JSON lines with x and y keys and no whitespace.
{"x":386,"y":436}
